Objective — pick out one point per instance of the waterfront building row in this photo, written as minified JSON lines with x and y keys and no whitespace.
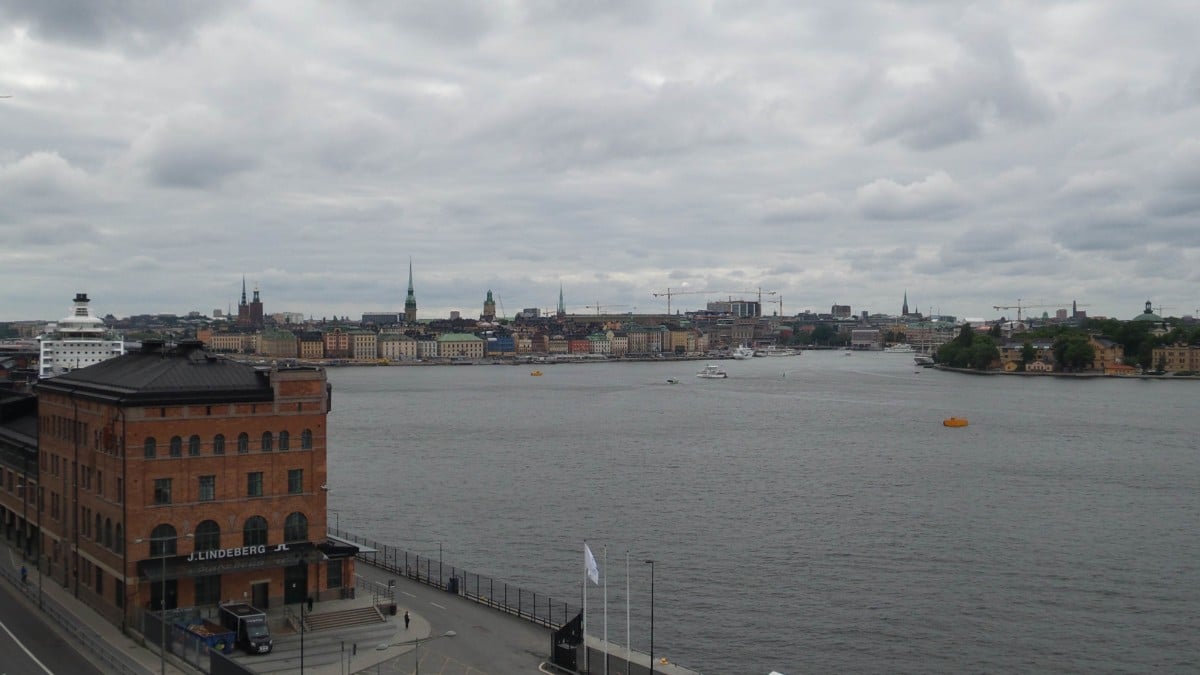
{"x":365,"y":345}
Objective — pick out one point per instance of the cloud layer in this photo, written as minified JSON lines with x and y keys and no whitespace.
{"x":972,"y":154}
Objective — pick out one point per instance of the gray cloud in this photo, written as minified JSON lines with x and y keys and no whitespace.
{"x":829,"y":151}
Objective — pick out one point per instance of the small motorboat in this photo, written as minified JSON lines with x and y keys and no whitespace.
{"x":672,"y":380}
{"x":536,"y":373}
{"x":954,"y":422}
{"x":712,"y":372}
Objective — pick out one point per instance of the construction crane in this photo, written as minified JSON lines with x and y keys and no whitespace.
{"x":1020,"y":306}
{"x":670,"y":293}
{"x":600,"y":308}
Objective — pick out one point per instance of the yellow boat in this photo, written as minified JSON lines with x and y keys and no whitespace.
{"x":536,"y":373}
{"x":954,"y":422}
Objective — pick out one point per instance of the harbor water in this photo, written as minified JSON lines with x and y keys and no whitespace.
{"x":807,"y":514}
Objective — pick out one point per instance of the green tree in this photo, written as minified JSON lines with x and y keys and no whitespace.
{"x":995,"y":331}
{"x":1074,"y":352}
{"x":983,"y":353}
{"x":1028,"y":354}
{"x":966,"y":335}
{"x":822,"y":334}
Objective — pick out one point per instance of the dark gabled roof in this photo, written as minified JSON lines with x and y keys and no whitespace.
{"x":158,"y":375}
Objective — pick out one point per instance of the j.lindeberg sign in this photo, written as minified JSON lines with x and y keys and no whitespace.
{"x":242,"y":551}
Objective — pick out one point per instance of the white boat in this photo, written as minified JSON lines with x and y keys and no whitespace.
{"x":772,"y":350}
{"x":742,"y":353}
{"x":923,"y":360}
{"x":672,"y":380}
{"x":712,"y":372}
{"x":900,"y":348}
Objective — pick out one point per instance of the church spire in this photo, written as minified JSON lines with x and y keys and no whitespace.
{"x":410,"y":302}
{"x":243,"y":289}
{"x":904,"y":309}
{"x":562,"y":307}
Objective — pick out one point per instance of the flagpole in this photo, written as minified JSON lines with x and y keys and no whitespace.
{"x":628,"y":644}
{"x":605,"y":609}
{"x":586,"y":660}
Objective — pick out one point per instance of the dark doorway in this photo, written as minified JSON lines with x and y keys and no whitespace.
{"x":259,"y":594}
{"x":156,"y":595}
{"x":295,"y":584}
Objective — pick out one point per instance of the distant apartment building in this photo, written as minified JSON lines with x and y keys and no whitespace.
{"x":311,"y":345}
{"x":279,"y":344}
{"x":1176,"y":358}
{"x":337,"y":344}
{"x":619,"y":343}
{"x":397,"y":347}
{"x":866,"y":339}
{"x":599,"y":343}
{"x":232,"y":343}
{"x":427,"y":349}
{"x":364,"y":345}
{"x":460,"y":346}
{"x":840,"y":311}
{"x":557,"y":344}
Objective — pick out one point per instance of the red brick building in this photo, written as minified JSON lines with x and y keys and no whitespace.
{"x":174,"y":459}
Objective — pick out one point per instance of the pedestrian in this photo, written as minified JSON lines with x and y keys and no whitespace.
{"x":406,"y":619}
{"x":24,"y":574}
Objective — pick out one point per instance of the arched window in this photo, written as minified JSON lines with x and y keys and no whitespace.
{"x":266,"y":441}
{"x":176,"y":446}
{"x":108,"y":533}
{"x":295,"y":528}
{"x":162,"y":541}
{"x":254,"y":533}
{"x":208,"y":536}
{"x":306,"y":440}
{"x":284,"y":440}
{"x":219,"y":444}
{"x":151,"y":447}
{"x":119,"y":540}
{"x":194,"y":446}
{"x":99,"y":532}
{"x":243,"y":442}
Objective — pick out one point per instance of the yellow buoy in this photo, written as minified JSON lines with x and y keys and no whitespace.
{"x":954,"y":422}
{"x":536,"y":373}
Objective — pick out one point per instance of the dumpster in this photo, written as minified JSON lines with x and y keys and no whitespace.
{"x":213,"y":635}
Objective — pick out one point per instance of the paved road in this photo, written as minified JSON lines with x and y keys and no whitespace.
{"x":28,"y":646}
{"x":486,"y":642}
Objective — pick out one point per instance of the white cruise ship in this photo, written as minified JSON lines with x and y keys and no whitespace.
{"x":77,"y":341}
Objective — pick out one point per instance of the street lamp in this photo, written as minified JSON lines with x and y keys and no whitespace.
{"x":162,"y":598}
{"x":651,"y":564}
{"x":416,"y":647}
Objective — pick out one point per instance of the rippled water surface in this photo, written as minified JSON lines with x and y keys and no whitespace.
{"x":808,"y":514}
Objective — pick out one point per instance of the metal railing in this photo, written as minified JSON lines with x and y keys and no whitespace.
{"x":543,"y":610}
{"x":109,"y":658}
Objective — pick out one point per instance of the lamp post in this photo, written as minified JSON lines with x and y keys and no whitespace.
{"x":416,"y":647}
{"x":162,"y":597}
{"x":651,"y":564}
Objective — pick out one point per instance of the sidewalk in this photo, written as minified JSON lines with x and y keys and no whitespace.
{"x":327,"y":652}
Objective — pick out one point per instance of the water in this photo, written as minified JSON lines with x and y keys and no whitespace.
{"x":809,"y":514}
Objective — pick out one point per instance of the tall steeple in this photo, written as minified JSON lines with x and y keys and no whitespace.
{"x":243,"y":289}
{"x":410,"y":302}
{"x":904,"y":309}
{"x":562,"y":307}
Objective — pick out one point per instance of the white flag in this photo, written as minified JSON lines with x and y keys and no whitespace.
{"x":589,"y":561}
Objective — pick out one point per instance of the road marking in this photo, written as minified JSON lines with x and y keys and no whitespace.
{"x":408,"y":594}
{"x":437,"y":605}
{"x":25,"y":649}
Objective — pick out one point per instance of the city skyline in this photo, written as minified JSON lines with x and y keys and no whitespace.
{"x":973,"y":154}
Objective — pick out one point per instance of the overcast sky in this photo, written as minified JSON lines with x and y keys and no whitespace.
{"x":972,"y":154}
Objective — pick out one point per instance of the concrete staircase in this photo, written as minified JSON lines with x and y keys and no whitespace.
{"x":344,"y":618}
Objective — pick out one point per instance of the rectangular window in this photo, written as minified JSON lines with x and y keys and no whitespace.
{"x":254,"y":484}
{"x":208,"y":590}
{"x":120,"y":490}
{"x":295,"y":481}
{"x":100,"y":482}
{"x":333,"y":572}
{"x":208,"y":488}
{"x":162,"y":490}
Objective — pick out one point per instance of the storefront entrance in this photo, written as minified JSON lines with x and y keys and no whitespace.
{"x":295,"y":583}
{"x":260,"y":594}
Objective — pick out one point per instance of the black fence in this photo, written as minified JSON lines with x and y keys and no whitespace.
{"x":540,"y":609}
